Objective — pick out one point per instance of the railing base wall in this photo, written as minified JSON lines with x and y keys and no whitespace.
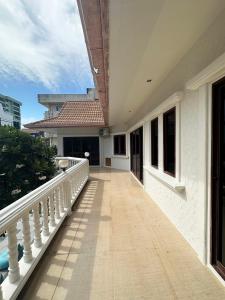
{"x":10,"y":291}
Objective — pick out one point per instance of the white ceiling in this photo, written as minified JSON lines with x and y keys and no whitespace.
{"x":147,"y":38}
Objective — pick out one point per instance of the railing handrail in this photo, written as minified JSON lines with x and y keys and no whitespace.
{"x":70,"y":158}
{"x":15,"y":210}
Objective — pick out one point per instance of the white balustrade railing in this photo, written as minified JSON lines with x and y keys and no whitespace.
{"x":41,"y":212}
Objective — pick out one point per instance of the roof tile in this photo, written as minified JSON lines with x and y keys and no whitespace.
{"x":74,"y":114}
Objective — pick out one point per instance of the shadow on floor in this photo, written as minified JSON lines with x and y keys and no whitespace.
{"x":67,"y":265}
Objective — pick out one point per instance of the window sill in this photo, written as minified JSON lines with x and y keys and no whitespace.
{"x":165,"y":178}
{"x":120,"y":156}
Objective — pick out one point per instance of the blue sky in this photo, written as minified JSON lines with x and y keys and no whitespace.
{"x":42,"y":50}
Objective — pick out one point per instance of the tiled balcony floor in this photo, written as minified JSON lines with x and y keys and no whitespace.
{"x":117,"y":244}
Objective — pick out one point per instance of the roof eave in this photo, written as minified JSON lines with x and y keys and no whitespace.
{"x":95,"y":23}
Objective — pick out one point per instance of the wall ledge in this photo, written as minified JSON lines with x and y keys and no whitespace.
{"x":120,"y":156}
{"x":168,"y":180}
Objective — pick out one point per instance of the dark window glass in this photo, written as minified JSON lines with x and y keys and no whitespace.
{"x":154,"y":142}
{"x":169,"y":137}
{"x":120,"y":144}
{"x":77,"y":146}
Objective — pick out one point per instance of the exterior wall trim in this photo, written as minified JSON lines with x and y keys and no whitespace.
{"x":125,"y":156}
{"x":172,"y":182}
{"x":165,"y":105}
{"x":211,"y":73}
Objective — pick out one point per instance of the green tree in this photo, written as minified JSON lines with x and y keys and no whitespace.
{"x":25,"y":163}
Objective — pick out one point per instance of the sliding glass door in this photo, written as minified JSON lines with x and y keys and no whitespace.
{"x":136,"y":153}
{"x":218,"y":177}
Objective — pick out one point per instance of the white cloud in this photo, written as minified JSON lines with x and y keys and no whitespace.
{"x":42,"y":41}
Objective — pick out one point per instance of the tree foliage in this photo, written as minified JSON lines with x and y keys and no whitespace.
{"x":25,"y":163}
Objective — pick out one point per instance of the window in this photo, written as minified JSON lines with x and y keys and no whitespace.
{"x":169,"y":137}
{"x":154,"y":143}
{"x":58,"y":107}
{"x":120,"y":144}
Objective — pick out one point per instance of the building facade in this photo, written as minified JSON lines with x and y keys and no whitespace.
{"x":164,"y":104}
{"x":54,"y":102}
{"x":11,"y":107}
{"x":5,"y":117}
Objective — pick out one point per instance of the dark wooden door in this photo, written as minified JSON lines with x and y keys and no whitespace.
{"x":77,"y":146}
{"x":136,"y":153}
{"x":218,"y":177}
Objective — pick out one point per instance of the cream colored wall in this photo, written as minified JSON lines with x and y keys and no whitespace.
{"x":118,"y":161}
{"x":187,"y":210}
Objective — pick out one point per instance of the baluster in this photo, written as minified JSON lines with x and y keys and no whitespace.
{"x":73,"y":187}
{"x":78,"y":181}
{"x":64,"y":195}
{"x":14,"y":272}
{"x":52,"y":210}
{"x":26,"y":239}
{"x":56,"y":201}
{"x":1,"y":296}
{"x":70,"y":191}
{"x":45,"y":217}
{"x":61,"y":200}
{"x":81,"y":176}
{"x":67,"y":196}
{"x":37,"y":227}
{"x":75,"y":184}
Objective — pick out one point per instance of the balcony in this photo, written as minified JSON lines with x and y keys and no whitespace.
{"x":117,"y":244}
{"x":31,"y":222}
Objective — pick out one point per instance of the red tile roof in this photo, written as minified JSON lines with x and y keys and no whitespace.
{"x":74,"y":114}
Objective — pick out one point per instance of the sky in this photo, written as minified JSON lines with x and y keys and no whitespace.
{"x":42,"y":51}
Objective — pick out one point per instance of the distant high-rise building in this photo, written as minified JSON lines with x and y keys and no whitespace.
{"x":11,"y":106}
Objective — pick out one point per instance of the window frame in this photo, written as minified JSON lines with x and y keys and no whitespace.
{"x":155,"y":165}
{"x":165,"y":142}
{"x":119,"y":153}
{"x":174,"y":182}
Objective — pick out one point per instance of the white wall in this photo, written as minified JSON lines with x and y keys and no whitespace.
{"x":105,"y":145}
{"x":118,"y":161}
{"x":185,"y":208}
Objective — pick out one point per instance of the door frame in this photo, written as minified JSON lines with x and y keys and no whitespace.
{"x":215,"y":193}
{"x":141,"y":179}
{"x":207,"y":96}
